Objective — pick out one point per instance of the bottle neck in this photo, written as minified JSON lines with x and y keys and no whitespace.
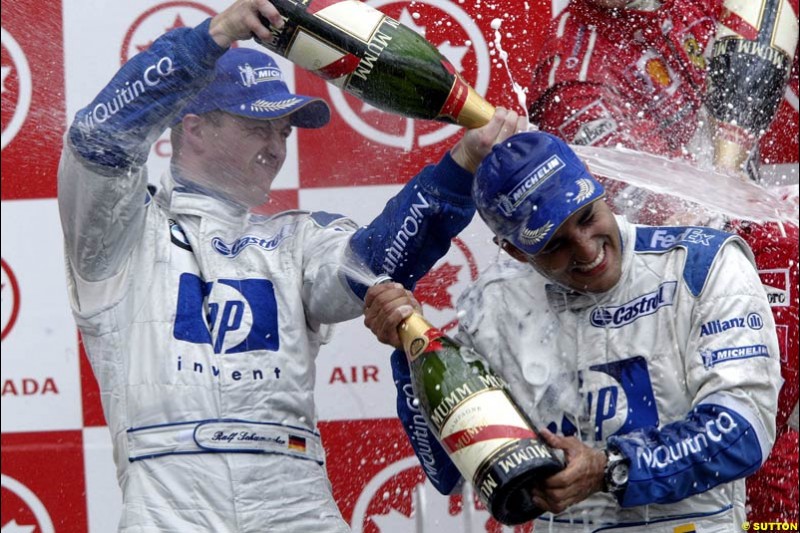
{"x":476,"y":111}
{"x":413,"y":334}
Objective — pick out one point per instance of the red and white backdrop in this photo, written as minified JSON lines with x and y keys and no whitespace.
{"x":57,"y":471}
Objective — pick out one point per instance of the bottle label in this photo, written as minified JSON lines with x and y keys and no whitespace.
{"x":457,"y":96}
{"x":423,"y":343}
{"x":350,"y":23}
{"x":522,"y":457}
{"x":479,"y":426}
{"x":350,"y":16}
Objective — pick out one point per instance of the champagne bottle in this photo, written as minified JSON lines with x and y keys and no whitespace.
{"x":469,"y":409}
{"x":375,"y":58}
{"x":750,"y":65}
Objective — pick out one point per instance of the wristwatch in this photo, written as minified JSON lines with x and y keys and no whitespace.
{"x":615,"y":477}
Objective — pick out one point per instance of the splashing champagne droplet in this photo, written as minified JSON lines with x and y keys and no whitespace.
{"x":522,"y":97}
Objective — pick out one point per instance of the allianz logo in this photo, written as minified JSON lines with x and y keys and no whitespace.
{"x":647,"y":304}
{"x":752,"y":321}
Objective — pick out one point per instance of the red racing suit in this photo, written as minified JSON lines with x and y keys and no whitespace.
{"x":636,"y":77}
{"x":628,"y":76}
{"x":773,"y":491}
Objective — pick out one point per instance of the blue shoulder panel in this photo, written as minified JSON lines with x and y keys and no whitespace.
{"x":323,"y":218}
{"x":701,"y":244}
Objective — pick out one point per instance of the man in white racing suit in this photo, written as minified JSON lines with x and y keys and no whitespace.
{"x":202,"y":321}
{"x":647,"y":354}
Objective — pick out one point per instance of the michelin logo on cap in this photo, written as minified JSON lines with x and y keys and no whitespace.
{"x":509,"y":202}
{"x":251,"y":76}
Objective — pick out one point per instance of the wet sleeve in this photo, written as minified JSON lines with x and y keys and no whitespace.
{"x":732,"y":371}
{"x":102,"y":181}
{"x":116,"y":130}
{"x":416,"y":226}
{"x":433,"y":459}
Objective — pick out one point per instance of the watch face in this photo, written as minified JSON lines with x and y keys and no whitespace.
{"x":619,"y":475}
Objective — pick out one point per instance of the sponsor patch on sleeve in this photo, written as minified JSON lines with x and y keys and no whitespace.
{"x":714,"y":357}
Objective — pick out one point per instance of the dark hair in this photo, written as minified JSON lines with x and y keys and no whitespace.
{"x":176,"y":134}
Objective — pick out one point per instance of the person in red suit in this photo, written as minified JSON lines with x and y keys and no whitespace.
{"x":665,"y":77}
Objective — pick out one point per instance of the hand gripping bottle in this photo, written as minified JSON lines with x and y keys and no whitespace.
{"x":468,"y":407}
{"x":375,"y":58}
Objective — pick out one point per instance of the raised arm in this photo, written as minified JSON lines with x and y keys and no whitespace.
{"x":417,"y":225}
{"x":102,"y":180}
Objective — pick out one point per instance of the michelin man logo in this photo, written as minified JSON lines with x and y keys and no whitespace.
{"x":713,"y":357}
{"x":251,"y":76}
{"x":517,"y":195}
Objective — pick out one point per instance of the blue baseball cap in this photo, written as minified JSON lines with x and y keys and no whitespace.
{"x":249,"y":83}
{"x":529,"y":185}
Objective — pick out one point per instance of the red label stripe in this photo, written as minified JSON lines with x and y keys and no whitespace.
{"x":318,"y":5}
{"x":468,"y":437}
{"x":341,"y":67}
{"x":458,"y":94}
{"x":434,"y":345}
{"x":739,"y":25}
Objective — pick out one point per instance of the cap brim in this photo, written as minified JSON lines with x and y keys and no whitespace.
{"x":304,"y":111}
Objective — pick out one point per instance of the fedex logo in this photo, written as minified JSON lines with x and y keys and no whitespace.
{"x":647,"y":304}
{"x":663,"y":238}
{"x":232,"y":315}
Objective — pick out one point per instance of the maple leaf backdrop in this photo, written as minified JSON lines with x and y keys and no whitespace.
{"x":57,"y":469}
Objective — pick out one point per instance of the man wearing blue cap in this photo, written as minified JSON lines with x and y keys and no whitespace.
{"x":201,"y":320}
{"x":648,"y":353}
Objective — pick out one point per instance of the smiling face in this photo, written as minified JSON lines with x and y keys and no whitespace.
{"x":240,"y":157}
{"x":585,"y":254}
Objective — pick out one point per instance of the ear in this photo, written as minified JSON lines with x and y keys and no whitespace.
{"x":194,"y":132}
{"x":512,"y":250}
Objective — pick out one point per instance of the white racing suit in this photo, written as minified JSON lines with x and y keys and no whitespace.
{"x":202,"y":322}
{"x":677,"y":367}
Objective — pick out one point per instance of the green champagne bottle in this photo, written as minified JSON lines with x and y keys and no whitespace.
{"x":469,"y":409}
{"x":375,"y":58}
